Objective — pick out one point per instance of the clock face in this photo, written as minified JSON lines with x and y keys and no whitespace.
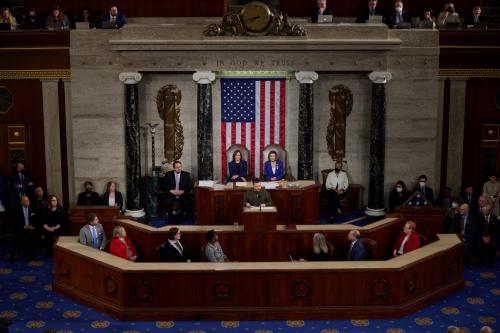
{"x":255,"y":16}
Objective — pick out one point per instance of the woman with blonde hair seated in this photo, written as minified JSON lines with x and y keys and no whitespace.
{"x":121,"y":245}
{"x":322,"y":250}
{"x":7,"y":17}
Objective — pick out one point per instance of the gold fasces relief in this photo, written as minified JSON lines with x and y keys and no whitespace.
{"x":168,"y":103}
{"x":340,"y":107}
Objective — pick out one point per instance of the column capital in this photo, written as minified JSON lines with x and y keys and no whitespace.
{"x":204,"y":77}
{"x":306,"y":77}
{"x":380,"y":77}
{"x":130,"y":77}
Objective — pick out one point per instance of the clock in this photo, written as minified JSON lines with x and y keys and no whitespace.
{"x":256,"y":17}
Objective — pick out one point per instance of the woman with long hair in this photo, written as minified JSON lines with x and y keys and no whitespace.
{"x":7,"y":17}
{"x":112,"y":197}
{"x":55,"y":223}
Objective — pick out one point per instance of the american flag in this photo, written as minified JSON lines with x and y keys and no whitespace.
{"x":417,"y":199}
{"x":253,"y":114}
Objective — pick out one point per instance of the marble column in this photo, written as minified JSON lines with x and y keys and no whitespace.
{"x":132,"y":139}
{"x":376,"y":203}
{"x":306,"y":125}
{"x":204,"y":80}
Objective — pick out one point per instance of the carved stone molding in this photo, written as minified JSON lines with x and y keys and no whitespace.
{"x":64,"y":269}
{"x":380,"y":288}
{"x":143,"y":291}
{"x":130,"y":77}
{"x":168,"y":102}
{"x":380,"y":77}
{"x":204,"y":77}
{"x":306,"y":76}
{"x":222,"y":290}
{"x":301,"y":291}
{"x":340,"y":107}
{"x":110,"y":286}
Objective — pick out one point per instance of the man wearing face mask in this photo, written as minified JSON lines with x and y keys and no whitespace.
{"x":398,"y":196}
{"x":424,"y":189}
{"x":89,"y":197}
{"x":398,"y":16}
{"x":469,"y":198}
{"x":336,"y":184}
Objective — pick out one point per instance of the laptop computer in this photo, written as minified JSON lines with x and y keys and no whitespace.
{"x":82,"y":25}
{"x":54,"y":26}
{"x":375,"y":19}
{"x":29,"y":26}
{"x":403,"y":25}
{"x":5,"y":26}
{"x":480,"y":26}
{"x":426,"y":25}
{"x":109,"y":25}
{"x":325,"y":18}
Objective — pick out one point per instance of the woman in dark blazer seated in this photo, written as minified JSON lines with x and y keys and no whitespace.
{"x":238,"y":170}
{"x":273,"y":168}
{"x":172,"y":250}
{"x":112,"y":197}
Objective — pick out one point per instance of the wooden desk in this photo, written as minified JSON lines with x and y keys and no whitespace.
{"x":430,"y":220}
{"x":107,"y":216}
{"x":260,"y":220}
{"x":223,"y":206}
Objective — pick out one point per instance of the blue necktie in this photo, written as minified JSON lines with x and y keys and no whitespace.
{"x":94,"y":237}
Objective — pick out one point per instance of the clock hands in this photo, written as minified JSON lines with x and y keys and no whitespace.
{"x":251,"y":19}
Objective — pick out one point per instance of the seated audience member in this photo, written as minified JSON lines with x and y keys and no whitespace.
{"x":356,"y":247}
{"x":321,"y":9}
{"x":176,"y":185}
{"x":336,"y":184}
{"x":448,"y":15}
{"x":489,"y":236}
{"x":408,"y":241}
{"x":371,"y":10}
{"x":486,"y":329}
{"x":238,"y":168}
{"x":57,"y":20}
{"x":491,"y":189}
{"x":89,"y":197}
{"x":453,"y":329}
{"x":469,"y":198}
{"x":273,"y":167}
{"x":445,"y":199}
{"x":398,"y":16}
{"x":92,"y":234}
{"x":398,"y":196}
{"x":121,"y":246}
{"x":428,"y":16}
{"x":39,"y":204}
{"x":424,"y":189}
{"x":22,"y":183}
{"x":55,"y":223}
{"x":481,"y":202}
{"x":32,"y":21}
{"x":322,"y":250}
{"x":257,"y":196}
{"x":112,"y":197}
{"x":7,"y":17}
{"x":114,"y":17}
{"x":172,"y":250}
{"x":213,"y":250}
{"x":467,"y":229}
{"x":23,"y":230}
{"x":450,"y":216}
{"x":87,"y":18}
{"x":476,"y":17}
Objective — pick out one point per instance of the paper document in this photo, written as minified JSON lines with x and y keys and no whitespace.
{"x":206,"y":183}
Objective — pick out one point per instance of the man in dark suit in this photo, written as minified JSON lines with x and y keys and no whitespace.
{"x":424,"y":189}
{"x":176,"y":186}
{"x":22,"y":183}
{"x":24,"y":230}
{"x":473,"y":20}
{"x":488,"y":236}
{"x":371,"y":10}
{"x":356,"y":247}
{"x":89,"y":197}
{"x":114,"y":17}
{"x":172,"y":250}
{"x":398,"y":16}
{"x":466,"y":227}
{"x":469,"y":198}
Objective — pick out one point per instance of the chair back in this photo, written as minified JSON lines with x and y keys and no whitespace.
{"x":423,"y":240}
{"x":324,"y":174}
{"x":280,"y":151}
{"x":331,"y":251}
{"x":202,"y":252}
{"x":245,"y":153}
{"x":370,"y":248}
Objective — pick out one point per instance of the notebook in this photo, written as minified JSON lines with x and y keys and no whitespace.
{"x":109,"y":25}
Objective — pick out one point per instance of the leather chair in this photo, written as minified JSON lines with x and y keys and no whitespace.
{"x":280,"y":151}
{"x":245,"y":154}
{"x":344,"y":204}
{"x":370,"y":248}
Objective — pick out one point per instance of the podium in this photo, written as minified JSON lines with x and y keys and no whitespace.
{"x":258,"y":219}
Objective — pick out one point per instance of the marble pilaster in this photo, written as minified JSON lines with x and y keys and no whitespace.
{"x":204,"y":80}
{"x":306,"y":124}
{"x":377,"y":144}
{"x":132,"y":138}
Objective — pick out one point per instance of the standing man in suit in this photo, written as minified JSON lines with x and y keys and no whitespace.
{"x":115,"y":17}
{"x":469,"y":198}
{"x":176,"y":185}
{"x":88,"y":197}
{"x":257,"y":197}
{"x":24,"y":230}
{"x":92,"y":234}
{"x":336,"y":184}
{"x":356,"y":247}
{"x":476,"y":17}
{"x":425,"y":190}
{"x":398,"y":15}
{"x":172,"y":250}
{"x":466,"y":228}
{"x":22,"y":183}
{"x":371,"y":10}
{"x":489,"y":235}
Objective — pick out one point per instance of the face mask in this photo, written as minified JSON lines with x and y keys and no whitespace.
{"x":399,"y":9}
{"x":454,"y":205}
{"x":337,"y":169}
{"x":422,"y":184}
{"x":399,"y":189}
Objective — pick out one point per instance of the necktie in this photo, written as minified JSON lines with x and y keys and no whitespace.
{"x":372,"y":12}
{"x":350,"y":250}
{"x":177,"y":176}
{"x":94,"y":237}
{"x":26,"y":216}
{"x":178,"y":246}
{"x":398,"y":19}
{"x":462,"y":231}
{"x":487,"y":228}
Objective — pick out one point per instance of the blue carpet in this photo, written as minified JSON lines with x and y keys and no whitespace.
{"x":27,"y":299}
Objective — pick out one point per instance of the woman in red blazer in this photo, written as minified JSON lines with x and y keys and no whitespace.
{"x":121,"y":245}
{"x":408,"y":241}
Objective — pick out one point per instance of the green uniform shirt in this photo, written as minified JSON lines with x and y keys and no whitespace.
{"x":257,"y":198}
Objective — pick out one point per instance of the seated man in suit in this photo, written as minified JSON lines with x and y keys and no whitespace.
{"x":336,"y":184}
{"x":466,"y":227}
{"x":356,"y":247}
{"x":321,"y":9}
{"x":92,"y":234}
{"x":88,"y":197}
{"x":23,"y":229}
{"x":114,"y":17}
{"x":176,"y":185}
{"x":476,"y":17}
{"x":22,"y":183}
{"x":371,"y":10}
{"x":398,"y":16}
{"x":489,"y":236}
{"x":424,"y":189}
{"x":258,"y":196}
{"x":172,"y":250}
{"x":408,"y":241}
